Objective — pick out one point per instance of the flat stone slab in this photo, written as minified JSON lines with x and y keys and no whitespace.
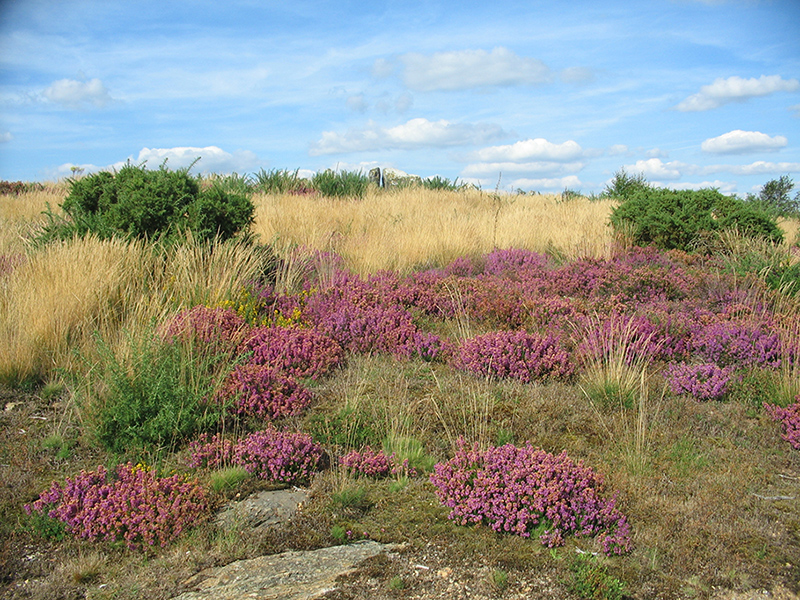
{"x":292,"y":575}
{"x":262,"y":509}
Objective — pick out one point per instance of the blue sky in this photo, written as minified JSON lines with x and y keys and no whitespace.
{"x":539,"y":95}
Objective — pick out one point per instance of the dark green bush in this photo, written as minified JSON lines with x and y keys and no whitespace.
{"x":137,"y":203}
{"x":677,"y":219}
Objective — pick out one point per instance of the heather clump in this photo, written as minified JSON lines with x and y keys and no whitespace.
{"x":738,"y":343}
{"x":376,"y":464}
{"x":279,"y":456}
{"x":365,"y":317}
{"x":297,"y":352}
{"x":706,"y":381}
{"x":789,"y":418}
{"x":527,"y":491}
{"x":270,"y":454}
{"x":527,"y":357}
{"x":133,"y":505}
{"x":263,"y":391}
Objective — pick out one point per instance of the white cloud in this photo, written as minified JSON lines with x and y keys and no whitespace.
{"x":212,"y":160}
{"x":759,"y":167}
{"x":655,"y":168}
{"x":558,"y":183}
{"x":416,"y":133}
{"x":742,"y":142}
{"x":531,"y":149}
{"x":6,"y":137}
{"x":736,"y":89}
{"x":537,"y":168}
{"x":471,"y":68}
{"x":382,"y":68}
{"x":656,"y":153}
{"x":78,"y":94}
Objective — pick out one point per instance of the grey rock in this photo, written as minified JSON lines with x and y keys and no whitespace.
{"x":292,"y":575}
{"x":262,"y":509}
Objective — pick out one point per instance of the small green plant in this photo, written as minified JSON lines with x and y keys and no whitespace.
{"x":396,"y":583}
{"x":590,"y":579}
{"x":411,"y":450}
{"x":56,"y":443}
{"x":347,"y":428}
{"x":339,"y":533}
{"x":351,"y":497}
{"x":500,"y":579}
{"x":227,"y":479}
{"x":341,"y":184}
{"x":40,"y":524}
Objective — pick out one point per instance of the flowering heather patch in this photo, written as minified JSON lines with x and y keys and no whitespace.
{"x":279,"y":456}
{"x":365,"y":316}
{"x":218,"y":328}
{"x":525,"y":490}
{"x":516,"y":262}
{"x":210,"y":453}
{"x":790,"y":419}
{"x":375,"y":464}
{"x":706,"y":381}
{"x":738,"y":343}
{"x":297,"y":352}
{"x":515,"y":354}
{"x":136,"y":506}
{"x":264,"y":391}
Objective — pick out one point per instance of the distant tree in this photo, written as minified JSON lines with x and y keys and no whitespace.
{"x":775,"y":197}
{"x":624,"y":185}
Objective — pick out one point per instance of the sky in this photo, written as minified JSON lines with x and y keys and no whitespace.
{"x":516,"y":95}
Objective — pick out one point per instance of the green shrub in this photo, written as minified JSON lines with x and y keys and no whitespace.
{"x":591,"y":580}
{"x":341,"y":184}
{"x":155,"y":396}
{"x":137,"y":203}
{"x":677,"y":219}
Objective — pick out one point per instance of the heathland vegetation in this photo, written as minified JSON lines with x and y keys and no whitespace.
{"x":602,"y":389}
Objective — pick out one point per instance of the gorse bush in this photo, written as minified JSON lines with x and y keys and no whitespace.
{"x":672,"y":219}
{"x":155,"y":396}
{"x":136,"y":203}
{"x":133,"y":504}
{"x":529,"y":491}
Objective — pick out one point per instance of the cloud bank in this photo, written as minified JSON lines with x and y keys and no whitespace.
{"x":742,"y":142}
{"x":416,"y":133}
{"x":74,"y":94}
{"x":736,"y":89}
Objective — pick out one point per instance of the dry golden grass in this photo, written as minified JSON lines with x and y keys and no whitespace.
{"x":52,"y":304}
{"x":407,"y":229}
